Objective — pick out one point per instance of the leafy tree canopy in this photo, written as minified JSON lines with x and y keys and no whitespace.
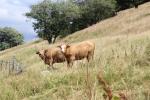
{"x":53,"y":18}
{"x":9,"y":37}
{"x":63,"y":17}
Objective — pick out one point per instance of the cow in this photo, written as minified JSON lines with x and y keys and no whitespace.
{"x":78,"y":51}
{"x":51,"y":56}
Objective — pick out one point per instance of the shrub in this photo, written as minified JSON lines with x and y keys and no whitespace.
{"x":9,"y":37}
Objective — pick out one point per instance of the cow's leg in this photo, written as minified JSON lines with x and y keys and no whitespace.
{"x":49,"y":67}
{"x":90,"y":56}
{"x":72,"y":60}
{"x":52,"y":67}
{"x":69,"y":63}
{"x":51,"y":64}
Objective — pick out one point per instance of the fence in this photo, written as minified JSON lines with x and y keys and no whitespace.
{"x":12,"y":66}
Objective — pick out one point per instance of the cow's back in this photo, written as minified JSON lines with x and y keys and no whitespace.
{"x":82,"y":49}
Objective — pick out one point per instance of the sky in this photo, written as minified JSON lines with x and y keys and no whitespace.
{"x":12,"y":14}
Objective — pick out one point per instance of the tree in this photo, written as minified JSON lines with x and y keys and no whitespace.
{"x":9,"y":37}
{"x":52,"y":19}
{"x":97,"y":10}
{"x":124,"y":4}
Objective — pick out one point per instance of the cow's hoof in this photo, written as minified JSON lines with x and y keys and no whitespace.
{"x":54,"y":68}
{"x":49,"y":68}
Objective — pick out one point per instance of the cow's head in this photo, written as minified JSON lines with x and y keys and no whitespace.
{"x":41,"y":54}
{"x":64,"y":47}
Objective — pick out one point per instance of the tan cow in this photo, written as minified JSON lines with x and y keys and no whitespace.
{"x":51,"y":56}
{"x":78,"y":51}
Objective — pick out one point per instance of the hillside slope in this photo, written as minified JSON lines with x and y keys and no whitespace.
{"x":122,"y":48}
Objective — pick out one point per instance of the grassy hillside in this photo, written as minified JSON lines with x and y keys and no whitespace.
{"x":122,"y":54}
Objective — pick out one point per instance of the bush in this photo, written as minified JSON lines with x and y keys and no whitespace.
{"x":97,"y":10}
{"x":124,"y":4}
{"x":9,"y":37}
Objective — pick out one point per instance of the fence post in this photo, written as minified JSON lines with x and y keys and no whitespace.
{"x":1,"y":65}
{"x":9,"y":67}
{"x":5,"y":62}
{"x":13,"y":63}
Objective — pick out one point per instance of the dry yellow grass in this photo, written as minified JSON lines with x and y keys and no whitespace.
{"x":121,"y":42}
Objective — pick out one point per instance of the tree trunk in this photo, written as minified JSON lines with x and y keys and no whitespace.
{"x":49,"y":40}
{"x":54,"y":39}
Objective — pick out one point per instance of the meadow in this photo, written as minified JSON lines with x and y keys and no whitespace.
{"x":122,"y":55}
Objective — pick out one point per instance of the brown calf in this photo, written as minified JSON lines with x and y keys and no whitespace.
{"x":51,"y":56}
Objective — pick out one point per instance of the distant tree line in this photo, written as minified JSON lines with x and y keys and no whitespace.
{"x":9,"y":37}
{"x":124,"y":4}
{"x":63,"y":17}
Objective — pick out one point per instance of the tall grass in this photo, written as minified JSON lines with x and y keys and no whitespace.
{"x":119,"y":63}
{"x":124,"y":63}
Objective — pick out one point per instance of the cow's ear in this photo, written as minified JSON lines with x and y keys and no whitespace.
{"x":67,"y":45}
{"x":45,"y":51}
{"x":59,"y":46}
{"x":37,"y":52}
